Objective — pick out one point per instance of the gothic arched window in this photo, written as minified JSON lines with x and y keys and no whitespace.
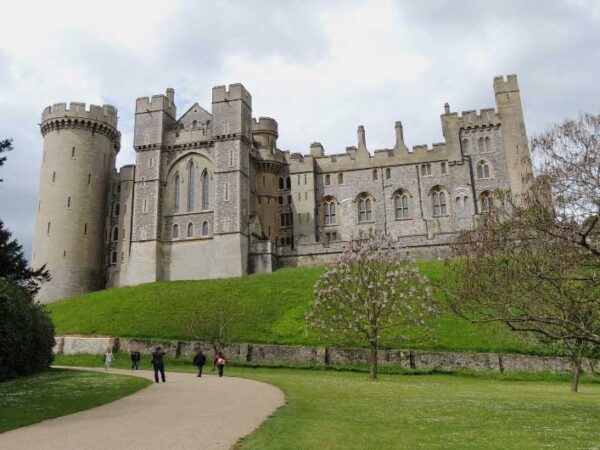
{"x":365,"y":203}
{"x":483,"y":170}
{"x":487,"y":201}
{"x":175,"y":231}
{"x":327,"y":180}
{"x":205,"y":229}
{"x":329,"y":211}
{"x":205,"y":190}
{"x":191,"y":180}
{"x":401,"y":205}
{"x":438,"y":199}
{"x":115,"y":234}
{"x":190,"y":230}
{"x":177,"y":193}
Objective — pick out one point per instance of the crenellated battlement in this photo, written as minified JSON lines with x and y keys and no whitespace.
{"x":156,"y":103}
{"x":106,"y":114}
{"x":265,"y":125}
{"x":234,"y":91}
{"x":502,"y":85}
{"x":485,"y":118}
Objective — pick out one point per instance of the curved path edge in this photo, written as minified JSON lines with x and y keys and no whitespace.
{"x":186,"y":412}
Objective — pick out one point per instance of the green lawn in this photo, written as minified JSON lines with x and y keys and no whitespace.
{"x":276,"y":303}
{"x":57,"y":392}
{"x":346,"y":410}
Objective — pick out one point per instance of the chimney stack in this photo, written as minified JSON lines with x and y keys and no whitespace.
{"x":171,"y":94}
{"x":362,"y":144}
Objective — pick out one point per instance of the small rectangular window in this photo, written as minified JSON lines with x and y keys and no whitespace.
{"x":89,"y":178}
{"x":53,"y":177}
{"x":68,"y":202}
{"x":443,"y":168}
{"x":85,"y":229}
{"x":145,"y":207}
{"x":304,"y":178}
{"x":73,"y":153}
{"x":48,"y":229}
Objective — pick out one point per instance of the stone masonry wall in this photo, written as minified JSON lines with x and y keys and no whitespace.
{"x":295,"y":354}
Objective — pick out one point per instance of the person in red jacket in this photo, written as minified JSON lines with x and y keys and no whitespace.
{"x":220,"y":362}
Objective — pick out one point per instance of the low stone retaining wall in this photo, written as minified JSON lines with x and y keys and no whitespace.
{"x":293,"y":354}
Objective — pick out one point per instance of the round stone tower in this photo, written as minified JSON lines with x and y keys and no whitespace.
{"x":80,"y":148}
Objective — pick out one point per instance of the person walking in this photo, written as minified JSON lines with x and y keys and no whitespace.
{"x":135,"y":360}
{"x":158,"y":363}
{"x":108,"y":357}
{"x":199,"y":361}
{"x":219,"y":363}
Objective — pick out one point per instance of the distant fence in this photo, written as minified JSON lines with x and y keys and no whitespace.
{"x":295,"y":354}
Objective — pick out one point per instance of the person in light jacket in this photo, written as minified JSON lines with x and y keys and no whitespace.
{"x":108,"y":357}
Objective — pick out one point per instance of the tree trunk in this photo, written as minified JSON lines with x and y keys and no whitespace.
{"x":373,"y":361}
{"x":576,"y":365}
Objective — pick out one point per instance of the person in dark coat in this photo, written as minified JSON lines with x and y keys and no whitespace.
{"x":135,"y":360}
{"x":158,"y":363}
{"x":219,"y":363}
{"x":199,"y":361}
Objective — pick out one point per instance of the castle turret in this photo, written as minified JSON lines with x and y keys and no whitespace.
{"x":80,"y":147}
{"x":510,"y":110}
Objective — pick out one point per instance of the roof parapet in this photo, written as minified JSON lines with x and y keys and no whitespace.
{"x":235,"y":91}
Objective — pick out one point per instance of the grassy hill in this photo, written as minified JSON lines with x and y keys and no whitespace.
{"x":277,"y":303}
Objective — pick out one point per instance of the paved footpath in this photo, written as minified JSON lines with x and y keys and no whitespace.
{"x":186,"y":412}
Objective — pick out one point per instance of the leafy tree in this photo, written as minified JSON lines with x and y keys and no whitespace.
{"x":534,"y":264}
{"x":370,"y":291}
{"x":5,"y":146}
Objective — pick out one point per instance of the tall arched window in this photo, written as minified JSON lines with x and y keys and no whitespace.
{"x":375,"y":175}
{"x":327,"y":180}
{"x":480,"y":145}
{"x":401,"y":205}
{"x":191,"y":180}
{"x":488,"y":144}
{"x":177,"y":193}
{"x":205,"y":229}
{"x":115,"y":234}
{"x":190,"y":230}
{"x":438,"y":198}
{"x":281,"y":183}
{"x":483,"y":170}
{"x":288,"y":183}
{"x":365,"y":213}
{"x":205,"y":190}
{"x":487,"y":201}
{"x":329,"y":211}
{"x":175,"y":231}
{"x":113,"y":258}
{"x":340,"y":178}
{"x":388,"y":173}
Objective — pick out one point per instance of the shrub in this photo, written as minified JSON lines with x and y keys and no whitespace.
{"x":26,"y":332}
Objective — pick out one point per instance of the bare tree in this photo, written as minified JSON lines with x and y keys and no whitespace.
{"x":370,"y":290}
{"x":216,"y":323}
{"x":535,"y":264}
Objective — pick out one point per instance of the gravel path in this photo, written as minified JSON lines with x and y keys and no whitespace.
{"x":186,"y":412}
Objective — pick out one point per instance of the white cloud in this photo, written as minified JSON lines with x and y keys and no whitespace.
{"x":319,"y":68}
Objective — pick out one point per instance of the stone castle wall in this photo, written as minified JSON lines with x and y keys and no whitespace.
{"x":269,"y":354}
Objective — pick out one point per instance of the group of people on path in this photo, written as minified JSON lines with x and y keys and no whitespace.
{"x":158,"y":363}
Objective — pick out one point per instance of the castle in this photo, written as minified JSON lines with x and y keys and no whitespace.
{"x":212,"y":196}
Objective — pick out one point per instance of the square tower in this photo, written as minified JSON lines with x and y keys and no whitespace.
{"x":232,"y":135}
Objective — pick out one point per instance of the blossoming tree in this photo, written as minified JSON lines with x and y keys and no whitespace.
{"x":371,"y":290}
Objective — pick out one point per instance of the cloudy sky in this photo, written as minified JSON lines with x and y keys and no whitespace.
{"x":320,"y":69}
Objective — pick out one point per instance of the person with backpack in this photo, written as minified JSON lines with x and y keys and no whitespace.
{"x":108,"y":357}
{"x":199,"y":361}
{"x":219,"y":363}
{"x":135,"y":360}
{"x":158,"y":363}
